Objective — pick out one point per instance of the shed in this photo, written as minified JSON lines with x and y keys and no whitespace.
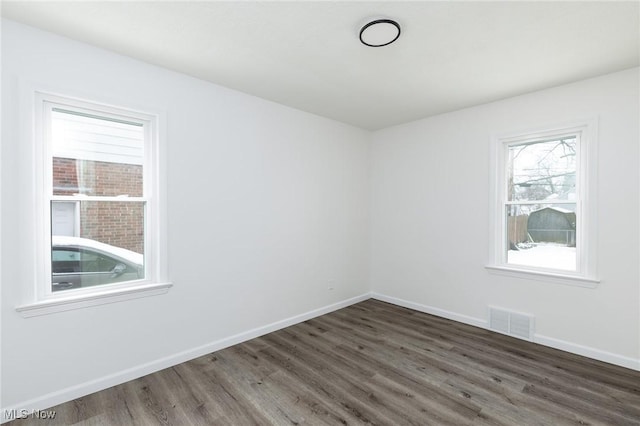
{"x":553,"y":225}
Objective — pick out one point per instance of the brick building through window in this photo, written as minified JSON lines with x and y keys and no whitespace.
{"x":98,"y":159}
{"x":117,"y":223}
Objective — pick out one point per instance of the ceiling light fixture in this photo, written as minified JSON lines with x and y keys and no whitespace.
{"x":380,"y":32}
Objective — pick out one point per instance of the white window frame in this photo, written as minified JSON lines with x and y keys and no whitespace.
{"x":43,"y":299}
{"x":586,"y":204}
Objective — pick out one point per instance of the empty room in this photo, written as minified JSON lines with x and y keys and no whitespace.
{"x":326,"y":212}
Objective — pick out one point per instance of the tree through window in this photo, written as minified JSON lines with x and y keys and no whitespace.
{"x":541,"y":203}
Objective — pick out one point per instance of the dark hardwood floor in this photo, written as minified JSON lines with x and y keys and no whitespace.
{"x":372,"y":363}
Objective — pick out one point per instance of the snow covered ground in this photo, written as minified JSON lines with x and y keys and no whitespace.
{"x":545,"y":255}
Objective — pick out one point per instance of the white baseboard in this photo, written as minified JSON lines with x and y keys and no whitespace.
{"x":588,"y":352}
{"x":431,"y":310}
{"x":83,"y":389}
{"x":563,"y":345}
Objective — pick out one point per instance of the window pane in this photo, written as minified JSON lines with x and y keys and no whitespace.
{"x":542,"y":235}
{"x":96,"y":156}
{"x":101,"y":242}
{"x":542,"y":171}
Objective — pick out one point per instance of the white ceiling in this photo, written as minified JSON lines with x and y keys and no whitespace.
{"x":307,"y":55}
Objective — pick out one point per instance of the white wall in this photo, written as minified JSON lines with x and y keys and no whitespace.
{"x":430,"y":192}
{"x":266,"y":204}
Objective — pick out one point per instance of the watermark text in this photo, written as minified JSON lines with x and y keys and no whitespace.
{"x":23,"y":413}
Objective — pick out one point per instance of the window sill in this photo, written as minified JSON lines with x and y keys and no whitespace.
{"x":544,"y":276}
{"x":62,"y":304}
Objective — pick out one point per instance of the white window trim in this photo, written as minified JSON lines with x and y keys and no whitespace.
{"x":39,"y":299}
{"x":104,"y":296}
{"x":587,"y":232}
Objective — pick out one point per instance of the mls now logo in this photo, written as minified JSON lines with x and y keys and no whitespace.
{"x":23,"y":413}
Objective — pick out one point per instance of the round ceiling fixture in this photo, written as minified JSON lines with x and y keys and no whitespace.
{"x":380,"y":32}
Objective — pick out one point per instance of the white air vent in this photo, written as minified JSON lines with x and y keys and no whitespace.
{"x":512,"y":323}
{"x":499,"y":320}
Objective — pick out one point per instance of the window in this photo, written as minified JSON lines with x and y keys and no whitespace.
{"x":99,"y":199}
{"x":544,"y":202}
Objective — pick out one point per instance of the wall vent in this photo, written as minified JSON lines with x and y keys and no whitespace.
{"x":512,"y":323}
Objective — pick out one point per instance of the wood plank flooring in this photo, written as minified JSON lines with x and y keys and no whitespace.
{"x":371,"y":363}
